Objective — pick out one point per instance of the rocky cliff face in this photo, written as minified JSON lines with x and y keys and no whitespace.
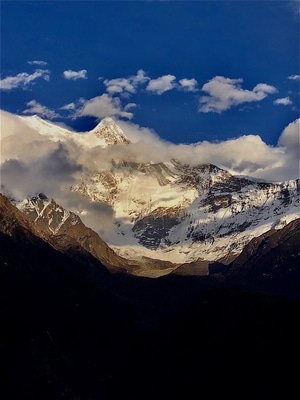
{"x":271,"y":261}
{"x":65,"y":229}
{"x":29,"y":248}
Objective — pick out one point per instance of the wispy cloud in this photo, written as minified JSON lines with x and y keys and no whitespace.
{"x":23,"y":79}
{"x":74,"y":75}
{"x":36,"y":108}
{"x":161,"y":84}
{"x":37,"y":62}
{"x":285,"y":101}
{"x":224,"y":93}
{"x":294,"y":77}
{"x":68,"y":107}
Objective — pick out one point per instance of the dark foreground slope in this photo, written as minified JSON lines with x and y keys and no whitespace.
{"x":270,"y":262}
{"x":72,"y":330}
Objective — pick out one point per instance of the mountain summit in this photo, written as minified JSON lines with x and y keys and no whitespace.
{"x":110,"y":132}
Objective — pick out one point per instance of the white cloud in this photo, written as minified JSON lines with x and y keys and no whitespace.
{"x":285,"y":101}
{"x":68,"y":107}
{"x":101,"y":107}
{"x":38,"y":109}
{"x":290,"y":140}
{"x":126,"y":85}
{"x":190,"y":85}
{"x":294,"y":77}
{"x":23,"y":79}
{"x":161,"y":84}
{"x":224,"y":93}
{"x":74,"y":75}
{"x":140,"y":77}
{"x":37,"y":62}
{"x":290,"y":136}
{"x":119,"y":85}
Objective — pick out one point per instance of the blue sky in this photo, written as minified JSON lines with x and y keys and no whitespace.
{"x":191,"y":71}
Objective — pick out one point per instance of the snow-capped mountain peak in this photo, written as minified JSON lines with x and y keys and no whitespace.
{"x":110,"y":132}
{"x":106,"y":133}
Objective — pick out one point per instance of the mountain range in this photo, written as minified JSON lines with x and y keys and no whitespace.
{"x":192,"y":291}
{"x":168,"y":211}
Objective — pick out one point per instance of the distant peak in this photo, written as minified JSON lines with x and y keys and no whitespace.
{"x":109,"y":131}
{"x":107,"y":121}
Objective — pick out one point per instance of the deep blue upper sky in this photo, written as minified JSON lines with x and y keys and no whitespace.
{"x":60,"y":59}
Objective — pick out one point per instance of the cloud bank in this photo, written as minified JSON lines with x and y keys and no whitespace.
{"x":246,"y":155}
